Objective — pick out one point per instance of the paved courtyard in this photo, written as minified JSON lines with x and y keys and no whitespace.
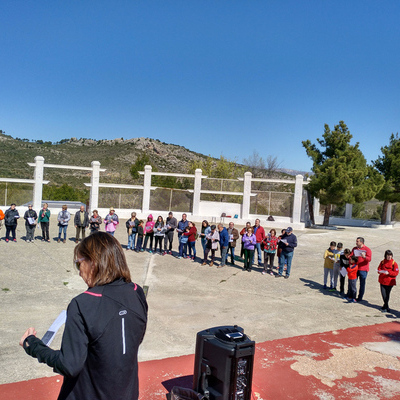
{"x":38,"y":280}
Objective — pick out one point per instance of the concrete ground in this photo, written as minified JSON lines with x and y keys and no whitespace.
{"x":38,"y":280}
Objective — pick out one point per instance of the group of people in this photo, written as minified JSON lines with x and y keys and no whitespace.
{"x":339,"y":263}
{"x":81,"y":221}
{"x":157,"y":236}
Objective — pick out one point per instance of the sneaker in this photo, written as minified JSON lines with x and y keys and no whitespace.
{"x":179,"y":257}
{"x":141,"y":249}
{"x":6,"y":240}
{"x":170,"y":253}
{"x":150,"y":252}
{"x":325,"y":287}
{"x":264,"y":272}
{"x":204,"y":263}
{"x":192,"y":258}
{"x":64,"y":241}
{"x":278,"y":276}
{"x":28,"y":241}
{"x":286,"y":276}
{"x":271,"y":273}
{"x":58,"y":240}
{"x":14,"y":240}
{"x":332,"y":289}
{"x":211,"y":263}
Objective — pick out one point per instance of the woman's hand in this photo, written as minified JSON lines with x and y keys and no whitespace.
{"x":29,"y":332}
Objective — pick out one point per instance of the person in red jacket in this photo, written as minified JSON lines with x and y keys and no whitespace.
{"x":364,"y":255}
{"x":260,"y":236}
{"x":191,"y":240}
{"x":352,"y":270}
{"x":387,"y":270}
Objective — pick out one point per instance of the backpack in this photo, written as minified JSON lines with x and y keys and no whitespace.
{"x":1,"y":215}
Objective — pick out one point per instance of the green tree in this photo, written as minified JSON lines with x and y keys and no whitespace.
{"x":65,"y":192}
{"x":161,"y":181}
{"x":389,"y":166}
{"x":341,"y":174}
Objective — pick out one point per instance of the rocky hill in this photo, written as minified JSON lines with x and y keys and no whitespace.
{"x":115,"y":155}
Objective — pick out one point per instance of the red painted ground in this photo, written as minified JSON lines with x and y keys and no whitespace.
{"x":273,"y":376}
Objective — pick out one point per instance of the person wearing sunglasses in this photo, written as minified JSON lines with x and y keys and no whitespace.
{"x":104,"y":328}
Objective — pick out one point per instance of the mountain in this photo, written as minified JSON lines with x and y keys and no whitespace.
{"x":116,"y":156}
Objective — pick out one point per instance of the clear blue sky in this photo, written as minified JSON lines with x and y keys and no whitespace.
{"x":218,"y":77}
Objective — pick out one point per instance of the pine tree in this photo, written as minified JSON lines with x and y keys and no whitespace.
{"x":341,"y":174}
{"x":389,"y":166}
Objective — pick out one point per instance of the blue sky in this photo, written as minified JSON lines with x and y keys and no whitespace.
{"x":218,"y":77}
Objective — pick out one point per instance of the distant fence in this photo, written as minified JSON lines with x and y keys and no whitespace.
{"x":243,"y":198}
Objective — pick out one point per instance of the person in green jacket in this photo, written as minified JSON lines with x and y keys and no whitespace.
{"x":44,"y":219}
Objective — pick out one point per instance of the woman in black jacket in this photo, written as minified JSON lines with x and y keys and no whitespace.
{"x":104,"y":328}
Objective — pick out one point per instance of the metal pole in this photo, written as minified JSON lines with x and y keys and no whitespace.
{"x":170,"y":200}
{"x":5,"y":196}
{"x":269,"y":204}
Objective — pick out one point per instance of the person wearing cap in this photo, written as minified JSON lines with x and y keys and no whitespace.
{"x":171,"y":224}
{"x":111,"y":222}
{"x":287,"y":244}
{"x":30,"y":218}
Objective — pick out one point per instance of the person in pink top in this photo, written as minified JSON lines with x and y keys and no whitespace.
{"x":149,"y":232}
{"x":364,"y":255}
{"x":111,"y":222}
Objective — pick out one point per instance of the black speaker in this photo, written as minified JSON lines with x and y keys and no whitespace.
{"x":223,"y":365}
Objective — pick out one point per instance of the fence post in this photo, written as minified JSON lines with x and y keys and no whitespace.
{"x":389,"y":214}
{"x":246,"y":195}
{"x":38,"y":184}
{"x":196,"y":192}
{"x":146,"y":189}
{"x":298,"y":191}
{"x":94,"y":188}
{"x":316,"y":207}
{"x":349,"y":211}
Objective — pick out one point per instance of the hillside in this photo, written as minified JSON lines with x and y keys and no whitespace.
{"x":115,"y":155}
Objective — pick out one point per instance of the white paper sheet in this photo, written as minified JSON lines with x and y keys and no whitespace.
{"x":55,"y":326}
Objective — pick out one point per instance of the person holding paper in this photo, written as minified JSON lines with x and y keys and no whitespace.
{"x":387,"y":270}
{"x":287,"y":244}
{"x":104,"y":328}
{"x":30,"y":218}
{"x":233,"y":236}
{"x":131,"y":228}
{"x":63,"y":218}
{"x":364,"y":255}
{"x":10,"y":220}
{"x":171,"y":224}
{"x":44,"y":219}
{"x":344,"y":263}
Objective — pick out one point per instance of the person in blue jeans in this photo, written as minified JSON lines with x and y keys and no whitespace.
{"x":131,"y":228}
{"x":63,"y":217}
{"x":183,"y":241}
{"x":287,"y":243}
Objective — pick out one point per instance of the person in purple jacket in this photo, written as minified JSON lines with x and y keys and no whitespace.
{"x":249,"y":243}
{"x":104,"y":328}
